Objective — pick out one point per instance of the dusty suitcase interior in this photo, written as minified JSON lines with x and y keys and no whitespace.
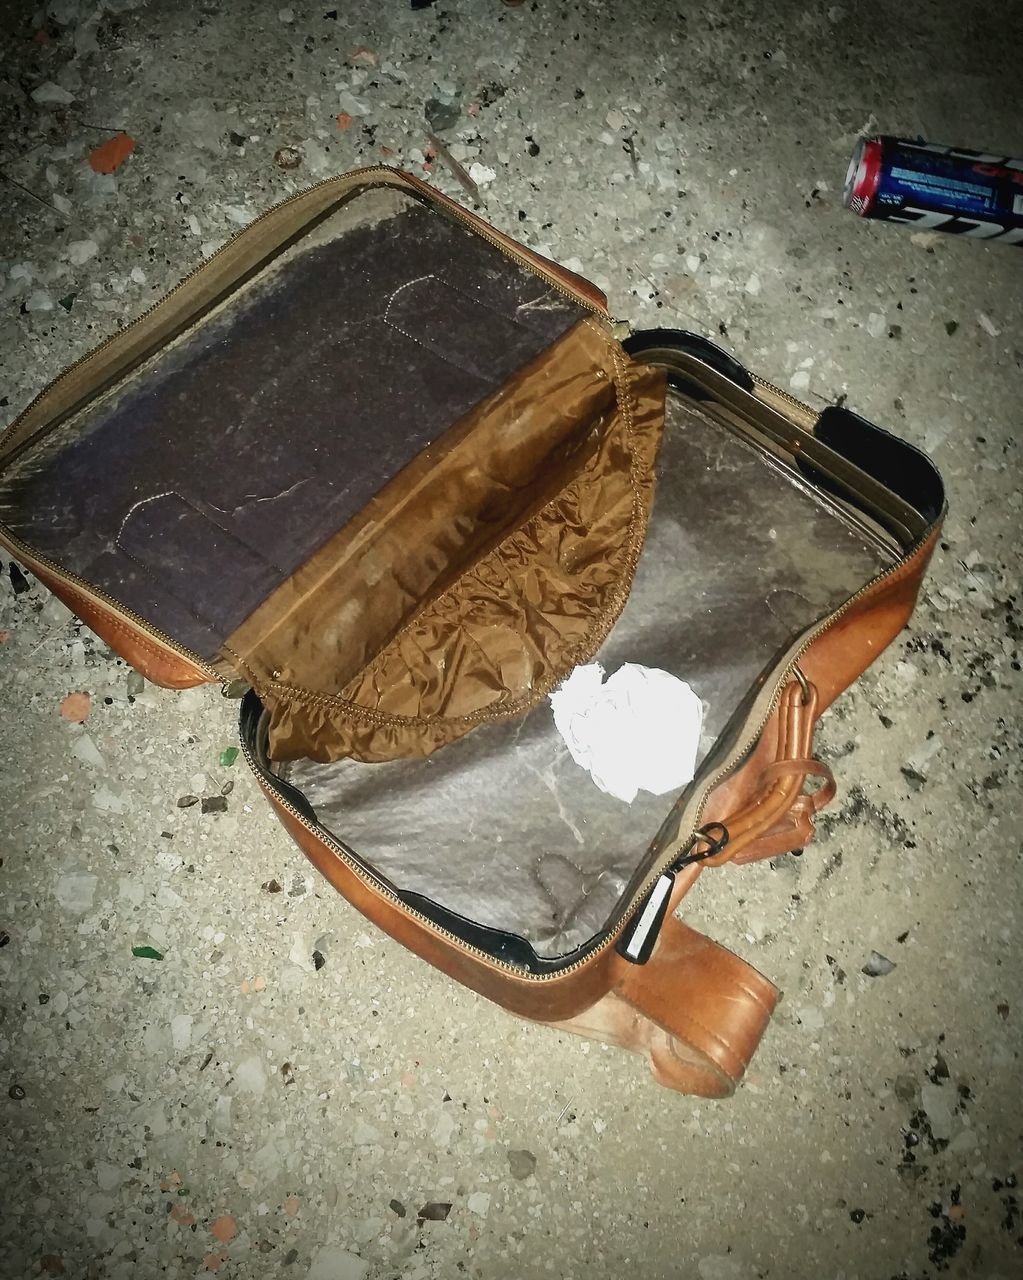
{"x":403,"y":480}
{"x":503,"y":829}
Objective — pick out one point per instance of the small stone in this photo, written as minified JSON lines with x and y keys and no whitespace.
{"x":38,"y":300}
{"x":16,"y":1092}
{"x":83,"y":748}
{"x":287,"y":157}
{"x":988,"y":325}
{"x":479,"y":1203}
{"x":250,"y":1075}
{"x":181,"y":1031}
{"x":857,"y":1215}
{"x":434,"y":1211}
{"x":877,"y":325}
{"x":138,"y":275}
{"x":75,"y":708}
{"x":878,"y":966}
{"x":214,"y":804}
{"x":75,"y":891}
{"x":224,"y":1228}
{"x":48,"y":92}
{"x":615,"y":120}
{"x":398,"y":1208}
{"x":135,"y":683}
{"x":481,"y":174}
{"x":186,"y":802}
{"x":80,"y":251}
{"x":334,"y":1263}
{"x":521,"y":1163}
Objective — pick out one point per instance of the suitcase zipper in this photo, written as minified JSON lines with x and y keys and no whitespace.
{"x":680,"y":854}
{"x":370,"y":171}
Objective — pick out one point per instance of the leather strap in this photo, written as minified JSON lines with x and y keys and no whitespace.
{"x":694,"y":1009}
{"x":778,"y":809}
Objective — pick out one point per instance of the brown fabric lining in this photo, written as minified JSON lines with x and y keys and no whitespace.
{"x":475,"y":579}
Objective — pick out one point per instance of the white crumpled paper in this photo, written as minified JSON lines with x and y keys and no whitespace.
{"x":639,"y":730}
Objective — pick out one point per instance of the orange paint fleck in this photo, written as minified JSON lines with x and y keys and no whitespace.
{"x":173,"y":1179}
{"x":245,"y":987}
{"x":344,"y":120}
{"x":75,"y":707}
{"x":224,"y":1228}
{"x":110,"y":155}
{"x":259,"y":984}
{"x":363,"y":57}
{"x":181,"y":1215}
{"x":291,"y":1206}
{"x":214,"y":1261}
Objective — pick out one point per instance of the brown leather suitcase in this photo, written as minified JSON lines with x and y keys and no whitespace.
{"x":399,"y":476}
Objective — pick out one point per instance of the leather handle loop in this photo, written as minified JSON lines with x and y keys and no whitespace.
{"x":779,"y":783}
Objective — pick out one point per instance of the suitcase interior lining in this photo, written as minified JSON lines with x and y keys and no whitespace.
{"x":194,"y":486}
{"x":502,"y":827}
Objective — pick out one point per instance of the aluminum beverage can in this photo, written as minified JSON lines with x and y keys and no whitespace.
{"x":967,"y":193}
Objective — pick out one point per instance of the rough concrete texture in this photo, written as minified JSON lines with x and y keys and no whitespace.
{"x":232,"y":1108}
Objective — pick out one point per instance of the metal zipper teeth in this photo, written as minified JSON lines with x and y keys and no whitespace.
{"x":120,"y":610}
{"x":28,"y":556}
{"x":455,"y":210}
{"x":325,"y":837}
{"x":784,"y":395}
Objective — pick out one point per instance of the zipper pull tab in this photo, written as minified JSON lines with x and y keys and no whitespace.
{"x":638,"y":943}
{"x":620,"y":329}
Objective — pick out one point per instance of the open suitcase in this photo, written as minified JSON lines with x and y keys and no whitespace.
{"x":398,"y":476}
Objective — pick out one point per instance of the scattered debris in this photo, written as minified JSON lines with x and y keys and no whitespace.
{"x":287,"y":157}
{"x":228,"y":756}
{"x":522,"y":1164}
{"x":110,"y":155}
{"x":52,"y":94}
{"x":146,"y":953}
{"x":344,"y":120}
{"x":38,"y":300}
{"x":75,"y":708}
{"x":19,"y":583}
{"x":363,"y":57}
{"x":80,"y":251}
{"x":457,"y":171}
{"x":435,"y":1211}
{"x":319,"y":960}
{"x":136,"y":683}
{"x":16,"y":1092}
{"x":951,"y":326}
{"x":481,"y":174}
{"x":186,"y":802}
{"x":272,"y":886}
{"x":287,"y":1073}
{"x":878,"y":966}
{"x":988,"y":325}
{"x":68,"y":301}
{"x":398,"y":1208}
{"x":214,"y":804}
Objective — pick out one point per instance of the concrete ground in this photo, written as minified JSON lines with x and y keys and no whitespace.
{"x":230,"y":1108}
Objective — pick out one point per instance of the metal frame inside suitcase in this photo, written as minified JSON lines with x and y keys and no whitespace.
{"x":784,"y":550}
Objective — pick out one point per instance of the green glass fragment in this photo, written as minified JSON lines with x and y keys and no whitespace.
{"x":228,"y":756}
{"x":147,"y":953}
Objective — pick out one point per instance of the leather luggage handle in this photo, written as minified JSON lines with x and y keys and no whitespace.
{"x":779,"y":784}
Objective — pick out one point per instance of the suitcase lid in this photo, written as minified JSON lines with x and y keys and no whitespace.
{"x":373,"y":458}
